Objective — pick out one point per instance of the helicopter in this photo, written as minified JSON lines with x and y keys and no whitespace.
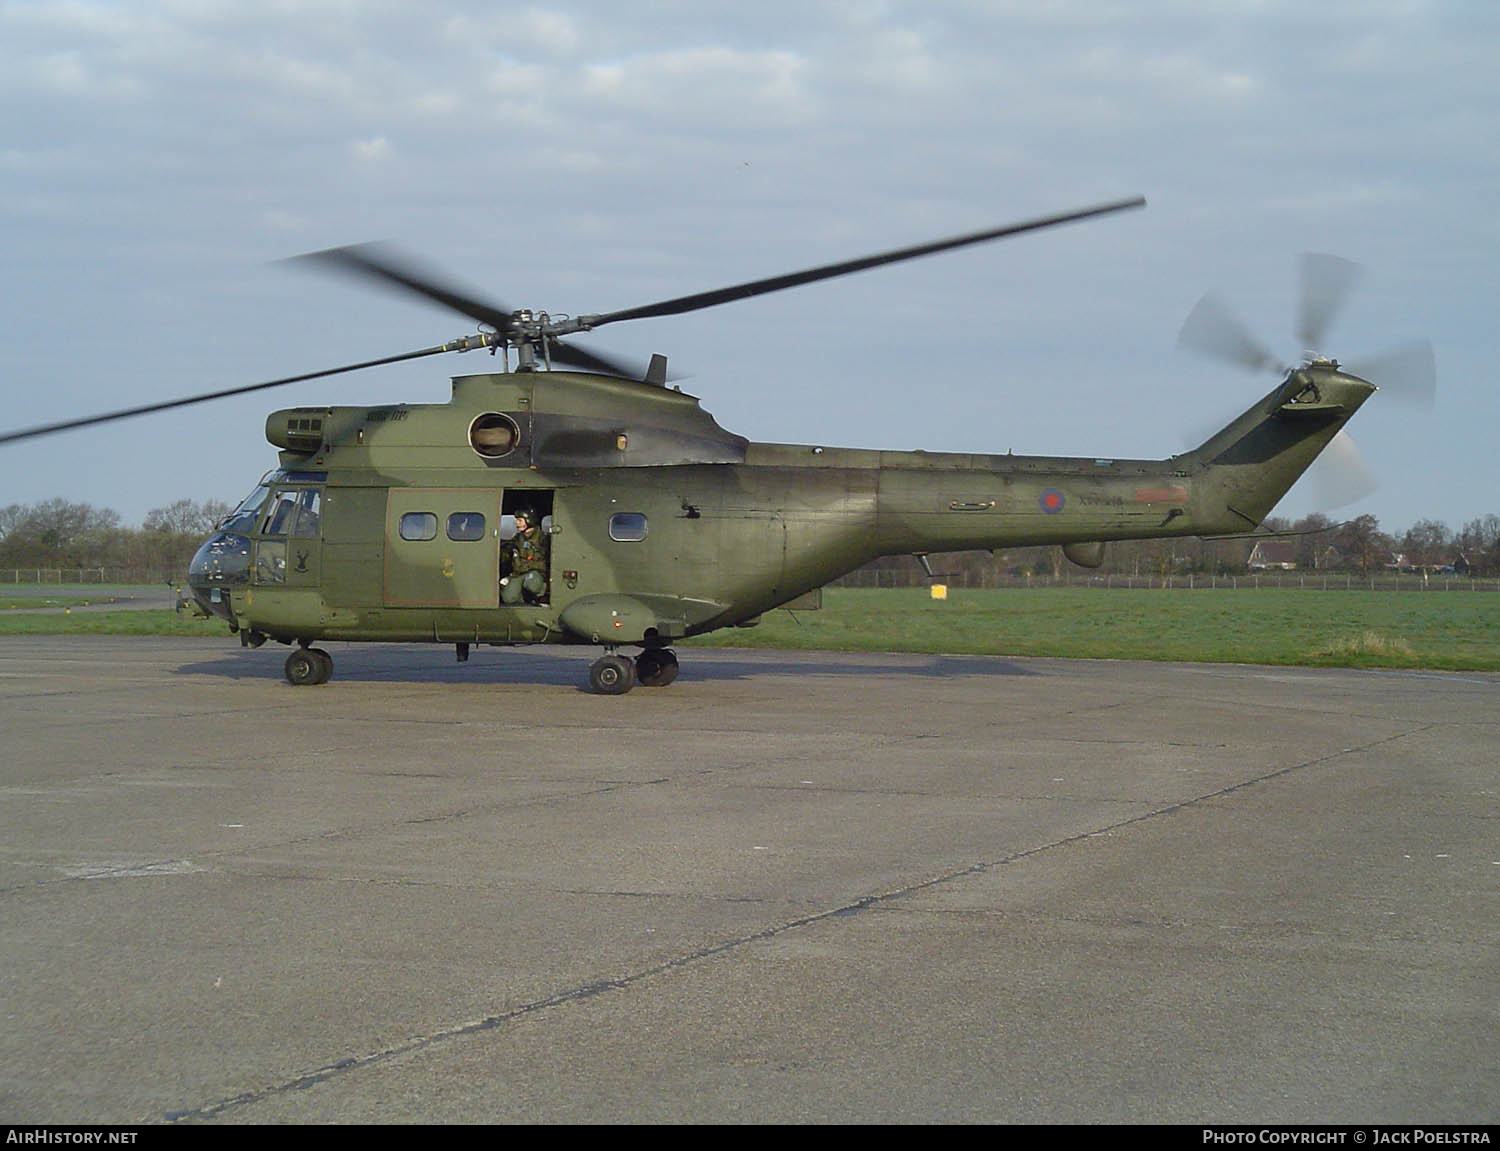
{"x":569,"y":498}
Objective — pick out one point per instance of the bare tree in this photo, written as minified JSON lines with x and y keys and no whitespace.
{"x":1427,"y":544}
{"x":1363,"y":545}
{"x":186,"y":517}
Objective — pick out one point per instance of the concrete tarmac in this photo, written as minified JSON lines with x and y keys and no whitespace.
{"x":789,"y":888}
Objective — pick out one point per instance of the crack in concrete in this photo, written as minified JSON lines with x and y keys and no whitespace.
{"x":603,"y":986}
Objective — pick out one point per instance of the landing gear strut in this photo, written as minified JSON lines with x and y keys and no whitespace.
{"x":308,"y":666}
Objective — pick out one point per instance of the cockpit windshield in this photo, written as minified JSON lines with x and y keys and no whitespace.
{"x":242,"y":519}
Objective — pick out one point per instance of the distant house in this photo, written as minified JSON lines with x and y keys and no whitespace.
{"x":1273,"y":555}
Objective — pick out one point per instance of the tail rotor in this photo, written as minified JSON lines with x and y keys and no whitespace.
{"x":1407,"y":373}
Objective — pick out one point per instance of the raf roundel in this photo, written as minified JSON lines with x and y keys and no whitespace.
{"x":1052,"y":501}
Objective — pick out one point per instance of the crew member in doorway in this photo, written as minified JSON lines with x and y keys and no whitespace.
{"x":527,"y":553}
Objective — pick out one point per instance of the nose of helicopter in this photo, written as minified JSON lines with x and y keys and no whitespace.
{"x":221,"y":563}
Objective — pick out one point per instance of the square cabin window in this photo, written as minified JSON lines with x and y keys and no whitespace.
{"x":417,"y":526}
{"x":627,"y":527}
{"x":466,"y":526}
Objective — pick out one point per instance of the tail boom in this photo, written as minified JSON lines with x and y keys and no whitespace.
{"x":1228,"y":484}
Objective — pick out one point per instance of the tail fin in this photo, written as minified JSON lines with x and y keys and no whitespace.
{"x":1245,"y":469}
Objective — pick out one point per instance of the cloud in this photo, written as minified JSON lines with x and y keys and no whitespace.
{"x":371,"y":151}
{"x":706,"y":83}
{"x":592,"y":155}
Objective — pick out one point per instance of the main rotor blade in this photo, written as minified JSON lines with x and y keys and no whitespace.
{"x":1409,"y":373}
{"x":828,"y":271}
{"x":384,"y":265}
{"x":574,"y":356}
{"x":1326,"y":284}
{"x":381,"y":263}
{"x":1211,"y":329}
{"x":186,"y":401}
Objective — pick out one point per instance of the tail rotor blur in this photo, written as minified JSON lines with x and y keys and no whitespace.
{"x":1408,"y":373}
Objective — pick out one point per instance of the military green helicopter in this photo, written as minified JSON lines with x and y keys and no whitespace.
{"x":602,"y":506}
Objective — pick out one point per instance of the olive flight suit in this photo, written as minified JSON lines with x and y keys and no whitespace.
{"x":528,"y":568}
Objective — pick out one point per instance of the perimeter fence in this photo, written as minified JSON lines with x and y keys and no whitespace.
{"x":71,"y":576}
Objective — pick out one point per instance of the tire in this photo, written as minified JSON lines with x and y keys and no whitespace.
{"x":656,"y":667}
{"x":611,"y":675}
{"x":325,"y":664}
{"x":303,"y":668}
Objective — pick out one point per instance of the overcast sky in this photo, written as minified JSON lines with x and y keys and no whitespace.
{"x":157,"y":159}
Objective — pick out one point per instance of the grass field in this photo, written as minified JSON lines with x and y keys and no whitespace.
{"x":94,"y":622}
{"x":1332,"y":629}
{"x":1449,"y":630}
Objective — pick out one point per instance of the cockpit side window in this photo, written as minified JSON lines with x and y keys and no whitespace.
{"x":293,"y":512}
{"x":279,"y":513}
{"x":309,"y":503}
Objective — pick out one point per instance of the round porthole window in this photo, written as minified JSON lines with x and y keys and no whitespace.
{"x":494,"y":434}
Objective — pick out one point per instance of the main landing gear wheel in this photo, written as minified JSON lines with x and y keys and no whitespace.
{"x":656,"y":667}
{"x":611,"y":675}
{"x":308,"y":666}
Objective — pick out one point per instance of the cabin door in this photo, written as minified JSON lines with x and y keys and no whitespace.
{"x":442,"y":548}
